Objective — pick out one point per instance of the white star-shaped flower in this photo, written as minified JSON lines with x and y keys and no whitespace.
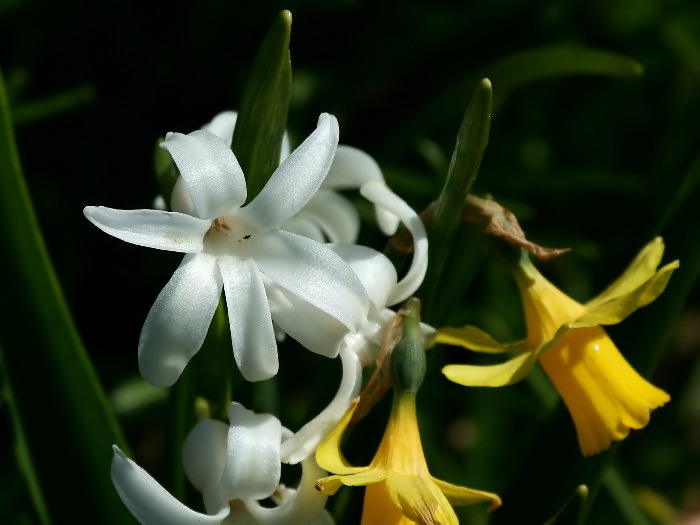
{"x":242,"y":250}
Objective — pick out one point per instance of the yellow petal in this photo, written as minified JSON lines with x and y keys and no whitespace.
{"x":604,"y":394}
{"x":617,"y":308}
{"x":476,"y":339}
{"x":458,"y":495}
{"x":502,"y":374}
{"x":640,"y":270}
{"x":329,"y":456}
{"x":379,"y":509}
{"x":366,"y":476}
{"x":420,"y":499}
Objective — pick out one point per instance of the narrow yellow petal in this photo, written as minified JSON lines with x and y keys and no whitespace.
{"x":617,"y":308}
{"x":366,"y":476}
{"x":458,"y":495}
{"x":329,"y":456}
{"x":640,"y":270}
{"x":501,"y":374}
{"x":476,"y":339}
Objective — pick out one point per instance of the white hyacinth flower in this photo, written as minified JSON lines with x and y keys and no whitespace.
{"x":360,"y":348}
{"x":328,"y":216}
{"x":242,"y":250}
{"x":233,"y":466}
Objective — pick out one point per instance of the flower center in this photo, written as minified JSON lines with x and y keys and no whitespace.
{"x":228,"y":234}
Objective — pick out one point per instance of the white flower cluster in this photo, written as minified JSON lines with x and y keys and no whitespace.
{"x":287,"y":263}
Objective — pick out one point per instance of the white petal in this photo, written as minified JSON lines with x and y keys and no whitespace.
{"x":149,"y":502}
{"x":374,"y":269}
{"x":305,"y":441}
{"x":302,"y":224}
{"x":163,"y":230}
{"x":253,"y":466}
{"x":381,"y":195}
{"x":295,"y":180}
{"x":222,"y":125}
{"x":177,"y":324}
{"x":305,"y":506}
{"x":315,"y":273}
{"x":351,"y":168}
{"x":313,"y":328}
{"x":204,"y":459}
{"x":387,"y":221}
{"x":252,"y":334}
{"x":207,"y":165}
{"x":334,"y":214}
{"x":181,"y":200}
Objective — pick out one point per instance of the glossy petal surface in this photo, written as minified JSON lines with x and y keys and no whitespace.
{"x":210,"y":170}
{"x":179,"y":319}
{"x":163,"y":230}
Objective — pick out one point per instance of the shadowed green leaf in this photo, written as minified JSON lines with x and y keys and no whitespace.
{"x":472,"y":139}
{"x":67,"y":425}
{"x":537,"y":64}
{"x":262,"y":117}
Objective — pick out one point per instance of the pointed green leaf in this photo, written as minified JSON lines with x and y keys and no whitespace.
{"x":67,"y":424}
{"x":262,"y":116}
{"x":472,"y":139}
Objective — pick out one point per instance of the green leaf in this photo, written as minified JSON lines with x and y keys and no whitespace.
{"x":538,"y":64}
{"x":262,"y":116}
{"x":67,"y":426}
{"x":53,"y":105}
{"x":625,"y":501}
{"x":472,"y":139}
{"x":512,"y":72}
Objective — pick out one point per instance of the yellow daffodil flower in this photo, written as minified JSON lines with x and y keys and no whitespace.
{"x":400,"y":489}
{"x":604,"y":394}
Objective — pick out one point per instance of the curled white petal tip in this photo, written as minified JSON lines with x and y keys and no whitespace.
{"x":149,"y":502}
{"x":351,"y":168}
{"x":378,"y":193}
